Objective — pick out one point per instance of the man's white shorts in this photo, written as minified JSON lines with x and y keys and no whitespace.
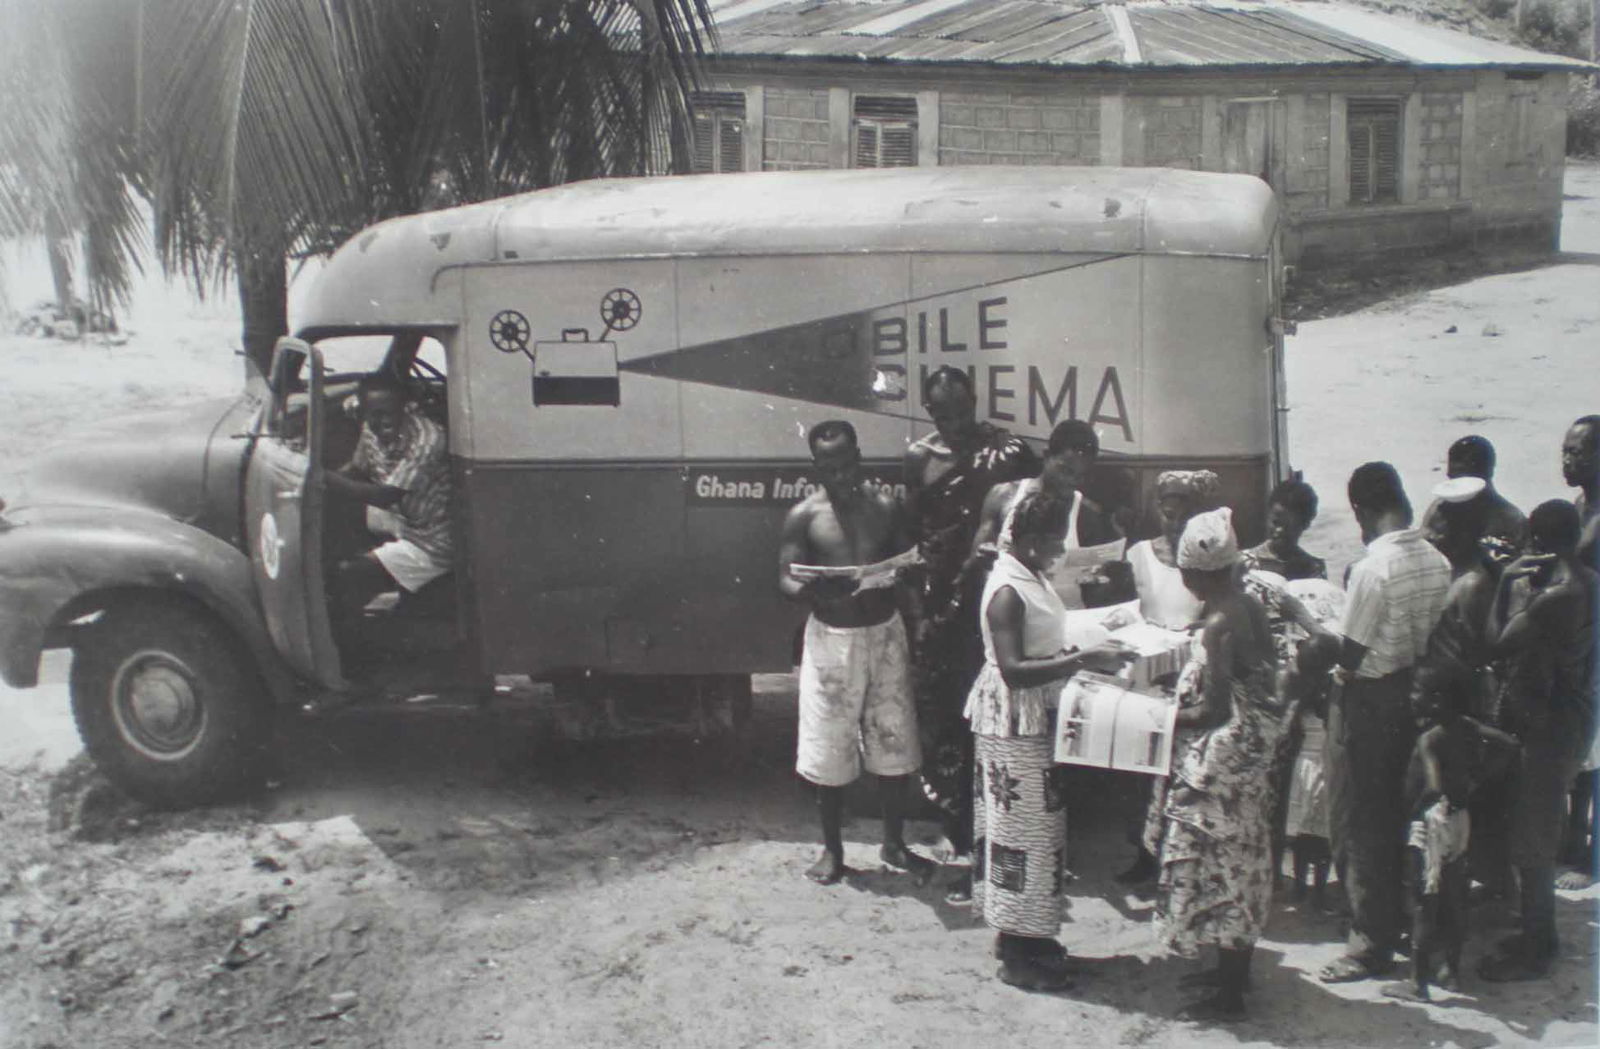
{"x":855,"y":703}
{"x":410,"y":565}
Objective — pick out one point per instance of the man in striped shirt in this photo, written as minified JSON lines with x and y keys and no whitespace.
{"x":401,"y":470}
{"x":1396,"y":594}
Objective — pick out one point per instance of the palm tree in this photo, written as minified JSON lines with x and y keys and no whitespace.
{"x":261,"y":130}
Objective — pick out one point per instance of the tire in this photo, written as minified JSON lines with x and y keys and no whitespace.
{"x":169,"y":706}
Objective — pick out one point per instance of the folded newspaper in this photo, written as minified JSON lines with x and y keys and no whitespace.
{"x":867,"y":577}
{"x":1103,"y":723}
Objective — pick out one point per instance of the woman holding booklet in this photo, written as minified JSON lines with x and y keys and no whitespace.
{"x":1019,"y":832}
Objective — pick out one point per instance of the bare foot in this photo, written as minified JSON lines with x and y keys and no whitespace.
{"x":828,"y":870}
{"x":1448,"y":978}
{"x":1574,"y":880}
{"x":1405,"y":991}
{"x":902,"y":858}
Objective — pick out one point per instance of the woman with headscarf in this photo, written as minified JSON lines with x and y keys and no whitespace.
{"x":1163,"y":599}
{"x":1019,"y":815}
{"x":1216,"y":855}
{"x":1166,"y":602}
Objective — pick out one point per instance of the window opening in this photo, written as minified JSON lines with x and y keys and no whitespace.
{"x":1374,"y":132}
{"x":885,"y":132}
{"x":719,"y":118}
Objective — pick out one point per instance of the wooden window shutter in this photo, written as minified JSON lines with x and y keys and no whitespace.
{"x":730,"y":144}
{"x":885,"y":131}
{"x":866,"y":144}
{"x":1374,"y":149}
{"x":898,"y":148}
{"x":704,"y":157}
{"x":718,"y":131}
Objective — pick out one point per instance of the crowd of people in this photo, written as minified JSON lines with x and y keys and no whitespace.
{"x":1426,"y":724}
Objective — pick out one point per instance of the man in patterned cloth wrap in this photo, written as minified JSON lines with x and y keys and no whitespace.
{"x":948,"y":474}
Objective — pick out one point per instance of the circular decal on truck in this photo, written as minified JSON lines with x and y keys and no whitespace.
{"x":270,"y":545}
{"x":509,"y":331}
{"x":620,"y":309}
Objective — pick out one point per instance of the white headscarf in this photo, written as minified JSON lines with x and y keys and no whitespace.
{"x":1208,"y":542}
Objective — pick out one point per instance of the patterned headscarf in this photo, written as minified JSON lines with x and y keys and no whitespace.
{"x":1200,"y":487}
{"x":1208,"y":542}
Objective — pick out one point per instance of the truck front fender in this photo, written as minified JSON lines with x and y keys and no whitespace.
{"x":58,"y":564}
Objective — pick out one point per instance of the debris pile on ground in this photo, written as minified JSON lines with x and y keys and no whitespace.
{"x":51,"y":320}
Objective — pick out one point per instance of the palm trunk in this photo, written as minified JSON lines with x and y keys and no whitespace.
{"x":263,"y":303}
{"x":55,"y":241}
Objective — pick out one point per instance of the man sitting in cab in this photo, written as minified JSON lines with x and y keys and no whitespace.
{"x":400,"y":470}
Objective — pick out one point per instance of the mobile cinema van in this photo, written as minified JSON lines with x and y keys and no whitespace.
{"x":633,"y":366}
{"x":627,"y":370}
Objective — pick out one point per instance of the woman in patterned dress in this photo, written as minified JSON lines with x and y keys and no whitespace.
{"x":1166,"y":602}
{"x":1019,"y":814}
{"x":1216,"y":856}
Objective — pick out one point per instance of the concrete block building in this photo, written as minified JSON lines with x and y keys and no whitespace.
{"x":1379,"y":133}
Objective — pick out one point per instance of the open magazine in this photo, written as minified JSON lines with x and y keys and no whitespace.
{"x":867,"y":577}
{"x":1104,"y":723}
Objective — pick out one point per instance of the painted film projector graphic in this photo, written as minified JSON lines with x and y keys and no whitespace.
{"x":576,"y":369}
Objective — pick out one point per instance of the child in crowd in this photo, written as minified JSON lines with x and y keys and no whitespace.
{"x":1445,"y":762}
{"x":1307,"y":827}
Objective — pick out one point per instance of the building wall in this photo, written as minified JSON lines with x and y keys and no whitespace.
{"x":797,"y":131}
{"x":1172,"y":132}
{"x":1440,"y":142}
{"x":1515,"y":157}
{"x":1481,"y":152}
{"x":1018,"y":127}
{"x":1307,"y":175}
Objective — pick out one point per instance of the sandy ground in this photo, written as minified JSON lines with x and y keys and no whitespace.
{"x":458,"y":878}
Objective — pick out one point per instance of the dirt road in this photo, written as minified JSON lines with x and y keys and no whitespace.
{"x":452,"y":878}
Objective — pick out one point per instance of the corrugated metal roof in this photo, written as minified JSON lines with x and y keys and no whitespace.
{"x":1155,"y":34}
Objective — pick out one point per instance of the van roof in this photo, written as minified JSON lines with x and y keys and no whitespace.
{"x":384,"y":276}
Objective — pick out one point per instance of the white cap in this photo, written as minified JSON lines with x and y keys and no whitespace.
{"x":1459,"y":489}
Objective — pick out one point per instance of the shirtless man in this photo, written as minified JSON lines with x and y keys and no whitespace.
{"x":1544,"y":620}
{"x":1580,"y":467}
{"x":855,"y":680}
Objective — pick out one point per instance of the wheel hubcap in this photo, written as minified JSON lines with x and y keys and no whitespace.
{"x":156,"y":706}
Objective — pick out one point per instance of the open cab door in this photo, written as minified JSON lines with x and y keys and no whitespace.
{"x":283,"y":514}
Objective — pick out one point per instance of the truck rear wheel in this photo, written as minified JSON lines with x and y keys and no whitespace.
{"x":168,"y":706}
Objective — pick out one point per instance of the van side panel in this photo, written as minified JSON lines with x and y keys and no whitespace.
{"x":638,"y":426}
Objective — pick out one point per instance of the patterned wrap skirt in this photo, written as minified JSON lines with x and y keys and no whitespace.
{"x":1019,"y":836}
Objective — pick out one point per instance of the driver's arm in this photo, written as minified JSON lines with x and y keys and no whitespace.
{"x":382,"y":496}
{"x":353,"y":480}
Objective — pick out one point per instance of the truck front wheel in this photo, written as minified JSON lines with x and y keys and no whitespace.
{"x":168,"y":705}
